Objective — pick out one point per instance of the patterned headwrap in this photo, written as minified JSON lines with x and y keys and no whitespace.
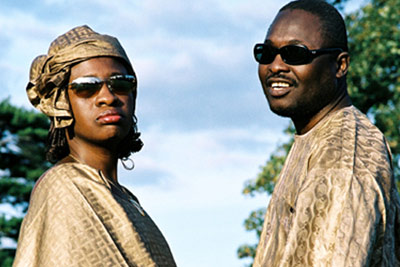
{"x":49,"y":73}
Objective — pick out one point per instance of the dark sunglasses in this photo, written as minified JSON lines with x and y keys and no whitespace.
{"x":118,"y":84}
{"x":290,"y":54}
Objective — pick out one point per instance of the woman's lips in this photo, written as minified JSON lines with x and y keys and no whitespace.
{"x":109,"y":117}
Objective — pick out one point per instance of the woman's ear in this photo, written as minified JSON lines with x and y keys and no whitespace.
{"x":343,"y":61}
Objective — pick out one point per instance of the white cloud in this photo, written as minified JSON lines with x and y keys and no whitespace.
{"x":200,"y":200}
{"x":192,"y":56}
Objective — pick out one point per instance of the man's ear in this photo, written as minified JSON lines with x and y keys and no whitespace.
{"x":343,"y":61}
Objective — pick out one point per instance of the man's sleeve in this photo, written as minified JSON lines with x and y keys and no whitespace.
{"x":338,"y":219}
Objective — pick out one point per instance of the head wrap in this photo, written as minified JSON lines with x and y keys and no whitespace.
{"x":49,"y":73}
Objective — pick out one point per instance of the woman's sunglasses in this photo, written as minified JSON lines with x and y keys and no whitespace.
{"x":290,"y":54}
{"x":118,"y":84}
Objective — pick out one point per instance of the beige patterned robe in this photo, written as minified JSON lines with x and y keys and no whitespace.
{"x":335,"y":203}
{"x":77,"y":218}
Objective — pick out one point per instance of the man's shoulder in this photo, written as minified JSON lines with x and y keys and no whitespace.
{"x":358,"y":127}
{"x":346,"y":137}
{"x":350,"y":124}
{"x":353,"y":115}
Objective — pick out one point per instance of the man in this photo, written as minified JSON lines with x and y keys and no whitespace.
{"x":335,"y":203}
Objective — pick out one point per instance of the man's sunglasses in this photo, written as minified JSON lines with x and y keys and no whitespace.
{"x":290,"y":54}
{"x":118,"y":84}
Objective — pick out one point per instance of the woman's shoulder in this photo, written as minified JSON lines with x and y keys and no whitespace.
{"x":64,"y":186}
{"x":63,"y":176}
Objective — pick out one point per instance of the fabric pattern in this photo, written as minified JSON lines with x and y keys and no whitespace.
{"x":49,"y":73}
{"x":335,"y":203}
{"x":77,"y":218}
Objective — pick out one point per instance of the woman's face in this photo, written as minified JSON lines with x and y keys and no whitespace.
{"x":101,"y":117}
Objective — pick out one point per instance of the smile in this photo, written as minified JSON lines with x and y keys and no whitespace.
{"x":277,"y":85}
{"x":279,"y":88}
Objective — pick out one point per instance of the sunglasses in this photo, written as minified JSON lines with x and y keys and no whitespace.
{"x":290,"y":54}
{"x":118,"y":84}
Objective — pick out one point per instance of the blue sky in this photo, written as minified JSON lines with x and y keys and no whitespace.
{"x":204,"y":120}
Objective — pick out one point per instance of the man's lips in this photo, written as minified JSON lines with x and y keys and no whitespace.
{"x":279,"y":87}
{"x":109,"y":116}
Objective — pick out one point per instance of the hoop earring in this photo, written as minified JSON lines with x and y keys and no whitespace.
{"x":134,"y":118}
{"x":126,"y":167}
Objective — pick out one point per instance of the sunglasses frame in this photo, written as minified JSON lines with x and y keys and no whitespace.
{"x":98,"y":83}
{"x":310,"y":54}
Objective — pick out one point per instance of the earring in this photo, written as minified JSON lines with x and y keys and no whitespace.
{"x":126,"y":167}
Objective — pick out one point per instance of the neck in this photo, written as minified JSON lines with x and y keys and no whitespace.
{"x":304,"y":125}
{"x":95,"y":156}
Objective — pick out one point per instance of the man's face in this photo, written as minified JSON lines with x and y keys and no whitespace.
{"x":298,"y":91}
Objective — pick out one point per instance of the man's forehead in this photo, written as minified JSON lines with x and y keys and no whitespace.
{"x":295,"y":27}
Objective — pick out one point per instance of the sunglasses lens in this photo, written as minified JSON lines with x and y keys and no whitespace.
{"x":122,"y":84}
{"x":291,"y":54}
{"x":264,"y":54}
{"x":258,"y":52}
{"x":295,"y":55}
{"x":86,"y":86}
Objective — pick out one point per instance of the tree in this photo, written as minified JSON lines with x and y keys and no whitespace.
{"x":373,"y":83}
{"x":374,"y":74}
{"x":22,"y":146}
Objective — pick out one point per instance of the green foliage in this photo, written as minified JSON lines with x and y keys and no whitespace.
{"x":374,"y":86}
{"x":374,"y":74}
{"x":253,"y":223}
{"x":6,"y":257}
{"x":22,"y":145}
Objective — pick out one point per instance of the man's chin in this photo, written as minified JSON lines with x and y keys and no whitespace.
{"x":283,"y":112}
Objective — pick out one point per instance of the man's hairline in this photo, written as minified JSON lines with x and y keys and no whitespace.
{"x":325,"y":42}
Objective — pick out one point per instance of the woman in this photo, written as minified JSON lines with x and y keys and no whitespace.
{"x":78,"y":214}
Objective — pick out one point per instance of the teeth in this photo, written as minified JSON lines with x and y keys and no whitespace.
{"x":279,"y":84}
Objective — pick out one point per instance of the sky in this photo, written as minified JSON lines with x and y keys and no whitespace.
{"x":203,"y":116}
